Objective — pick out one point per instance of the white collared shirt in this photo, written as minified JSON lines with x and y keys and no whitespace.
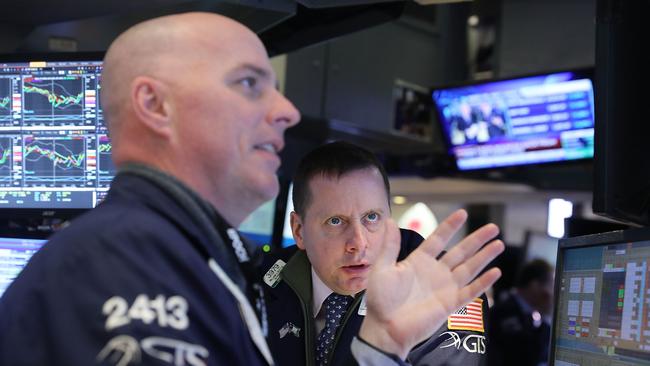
{"x":320,"y":292}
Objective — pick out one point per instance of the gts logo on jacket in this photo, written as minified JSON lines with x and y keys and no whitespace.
{"x":472,"y":343}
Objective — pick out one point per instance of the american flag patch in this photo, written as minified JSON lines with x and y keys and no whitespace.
{"x":469,"y":317}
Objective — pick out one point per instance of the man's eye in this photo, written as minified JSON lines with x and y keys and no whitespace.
{"x":372,"y":217}
{"x":334,"y":221}
{"x":248,"y":82}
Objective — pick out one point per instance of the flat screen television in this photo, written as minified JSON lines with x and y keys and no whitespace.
{"x":601,"y":301}
{"x":535,"y":119}
{"x":54,"y":145}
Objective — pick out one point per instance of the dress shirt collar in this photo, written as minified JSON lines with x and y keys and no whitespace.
{"x":321,"y":292}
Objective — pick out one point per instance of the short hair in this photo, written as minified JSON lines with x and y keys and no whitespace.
{"x":332,"y":160}
{"x":537,"y":270}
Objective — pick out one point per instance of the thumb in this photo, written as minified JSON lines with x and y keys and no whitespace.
{"x":390,"y":246}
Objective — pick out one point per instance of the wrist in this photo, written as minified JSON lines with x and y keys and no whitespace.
{"x":376,"y":335}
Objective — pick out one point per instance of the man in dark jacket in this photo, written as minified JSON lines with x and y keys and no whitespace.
{"x":157,"y":274}
{"x":341,"y":195}
{"x":520,"y":327}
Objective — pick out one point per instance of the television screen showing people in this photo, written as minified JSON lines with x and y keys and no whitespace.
{"x":54,"y":145}
{"x":529,"y":120}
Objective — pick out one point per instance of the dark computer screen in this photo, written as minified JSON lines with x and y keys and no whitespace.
{"x":621,"y":166}
{"x":14,"y":255}
{"x":602,"y":304}
{"x":527,"y":120}
{"x":54,"y":145}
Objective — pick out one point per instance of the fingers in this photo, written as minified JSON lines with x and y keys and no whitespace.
{"x":390,"y":246}
{"x":468,"y":246}
{"x":461,"y":296}
{"x":478,"y":286}
{"x":437,"y":241}
{"x":465,"y":272}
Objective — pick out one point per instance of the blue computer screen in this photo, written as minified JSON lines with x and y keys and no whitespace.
{"x":258,"y":226}
{"x":14,"y":255}
{"x":54,"y":146}
{"x":529,"y":120}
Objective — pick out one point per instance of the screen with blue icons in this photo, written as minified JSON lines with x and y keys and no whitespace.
{"x":528,"y":120}
{"x":14,"y":255}
{"x":54,"y":146}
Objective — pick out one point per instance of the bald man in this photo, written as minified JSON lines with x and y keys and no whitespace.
{"x":157,"y":274}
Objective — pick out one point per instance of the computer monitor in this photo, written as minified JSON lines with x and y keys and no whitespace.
{"x":14,"y":255}
{"x":602,"y":300}
{"x":258,"y":226}
{"x":54,"y":145}
{"x":535,"y":119}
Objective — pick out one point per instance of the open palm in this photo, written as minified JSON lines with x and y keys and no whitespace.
{"x":409,"y":300}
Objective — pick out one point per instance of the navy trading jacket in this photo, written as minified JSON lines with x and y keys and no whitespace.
{"x":517,"y":338}
{"x":292,"y":332}
{"x":131,"y":282}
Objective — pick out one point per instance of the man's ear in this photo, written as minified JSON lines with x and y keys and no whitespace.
{"x":296,"y":229}
{"x":150,"y":101}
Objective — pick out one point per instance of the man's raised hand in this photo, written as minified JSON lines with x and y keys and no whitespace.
{"x":409,"y":300}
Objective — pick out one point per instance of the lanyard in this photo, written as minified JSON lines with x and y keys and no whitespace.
{"x":247,"y":311}
{"x":247,"y":264}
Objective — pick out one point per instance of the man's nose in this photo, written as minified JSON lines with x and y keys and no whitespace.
{"x":283,"y":111}
{"x":357,"y":240}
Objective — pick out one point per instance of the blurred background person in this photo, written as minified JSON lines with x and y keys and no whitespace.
{"x":519,"y":328}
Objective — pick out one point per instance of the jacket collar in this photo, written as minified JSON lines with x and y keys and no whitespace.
{"x":183,"y":207}
{"x":297,"y":274}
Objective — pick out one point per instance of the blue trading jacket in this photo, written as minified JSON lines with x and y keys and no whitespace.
{"x":126,"y":283}
{"x":516,"y":339}
{"x":292,"y":331}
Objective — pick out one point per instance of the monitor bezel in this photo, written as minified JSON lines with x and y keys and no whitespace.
{"x":27,"y":235}
{"x":46,"y":212}
{"x":587,"y":71}
{"x":52,"y":56}
{"x":586,"y":241}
